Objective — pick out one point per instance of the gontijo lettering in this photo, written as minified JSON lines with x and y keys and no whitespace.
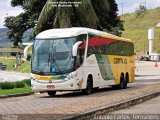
{"x":120,"y":61}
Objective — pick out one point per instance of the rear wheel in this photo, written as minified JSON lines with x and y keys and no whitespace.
{"x":89,"y":87}
{"x":123,"y":83}
{"x":126,"y":80}
{"x":51,"y":93}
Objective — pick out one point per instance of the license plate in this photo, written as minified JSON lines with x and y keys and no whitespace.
{"x":50,"y":86}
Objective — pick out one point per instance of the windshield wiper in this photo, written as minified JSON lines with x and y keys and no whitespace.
{"x":38,"y":72}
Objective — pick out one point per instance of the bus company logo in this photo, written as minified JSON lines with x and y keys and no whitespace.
{"x":120,"y":61}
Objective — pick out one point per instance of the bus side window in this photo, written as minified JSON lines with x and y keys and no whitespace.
{"x":81,"y":50}
{"x":80,"y":57}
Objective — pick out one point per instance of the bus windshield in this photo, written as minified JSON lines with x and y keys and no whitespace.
{"x":52,"y":55}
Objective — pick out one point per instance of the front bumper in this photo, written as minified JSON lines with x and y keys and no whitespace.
{"x":38,"y":85}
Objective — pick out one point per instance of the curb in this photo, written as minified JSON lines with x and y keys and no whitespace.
{"x":93,"y":114}
{"x":16,"y":95}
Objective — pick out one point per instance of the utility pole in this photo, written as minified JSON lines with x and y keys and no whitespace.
{"x":122,"y":7}
{"x":145,"y":4}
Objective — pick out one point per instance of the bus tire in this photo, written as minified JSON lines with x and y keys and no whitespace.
{"x":126,"y":80}
{"x":89,"y":87}
{"x":122,"y":82}
{"x":51,"y":93}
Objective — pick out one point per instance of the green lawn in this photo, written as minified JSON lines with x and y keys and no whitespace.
{"x":136,"y":28}
{"x":140,"y":39}
{"x":25,"y":67}
{"x":15,"y":90}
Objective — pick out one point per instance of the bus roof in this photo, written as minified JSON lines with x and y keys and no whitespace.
{"x":75,"y":31}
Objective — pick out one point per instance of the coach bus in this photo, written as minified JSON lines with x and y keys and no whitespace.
{"x":82,"y":59}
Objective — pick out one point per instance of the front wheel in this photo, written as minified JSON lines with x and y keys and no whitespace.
{"x":89,"y":87}
{"x":51,"y":93}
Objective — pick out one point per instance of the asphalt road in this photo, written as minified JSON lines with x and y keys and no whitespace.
{"x":13,"y":76}
{"x":74,"y":102}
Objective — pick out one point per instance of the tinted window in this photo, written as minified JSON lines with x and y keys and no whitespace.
{"x":99,"y":45}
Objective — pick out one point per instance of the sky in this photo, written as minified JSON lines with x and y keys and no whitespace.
{"x":129,"y":6}
{"x":7,"y":10}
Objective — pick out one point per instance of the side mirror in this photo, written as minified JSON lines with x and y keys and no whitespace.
{"x":75,"y":47}
{"x":26,"y":49}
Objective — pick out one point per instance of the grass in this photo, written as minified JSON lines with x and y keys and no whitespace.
{"x":24,"y":68}
{"x":140,"y":39}
{"x":136,"y":28}
{"x":7,"y":88}
{"x":16,"y":84}
{"x":15,"y":90}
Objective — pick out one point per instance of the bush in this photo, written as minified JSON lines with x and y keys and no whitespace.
{"x":7,"y":85}
{"x":19,"y":84}
{"x":27,"y":82}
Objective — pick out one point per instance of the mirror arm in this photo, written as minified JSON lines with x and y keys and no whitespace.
{"x":75,"y":48}
{"x":26,"y":49}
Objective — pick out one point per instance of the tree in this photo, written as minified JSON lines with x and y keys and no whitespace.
{"x":140,"y":10}
{"x":19,"y":24}
{"x":97,"y":14}
{"x":110,"y":21}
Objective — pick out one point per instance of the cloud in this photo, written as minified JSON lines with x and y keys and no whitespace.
{"x":7,"y":10}
{"x":130,"y":6}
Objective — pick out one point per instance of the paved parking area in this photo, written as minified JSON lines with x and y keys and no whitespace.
{"x":13,"y":76}
{"x":147,"y":70}
{"x":76,"y":103}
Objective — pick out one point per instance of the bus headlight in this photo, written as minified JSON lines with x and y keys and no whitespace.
{"x":72,"y":75}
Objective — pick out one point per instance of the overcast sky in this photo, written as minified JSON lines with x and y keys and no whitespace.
{"x":7,"y":10}
{"x":129,"y":6}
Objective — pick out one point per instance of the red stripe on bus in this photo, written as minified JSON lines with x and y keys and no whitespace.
{"x":96,"y":41}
